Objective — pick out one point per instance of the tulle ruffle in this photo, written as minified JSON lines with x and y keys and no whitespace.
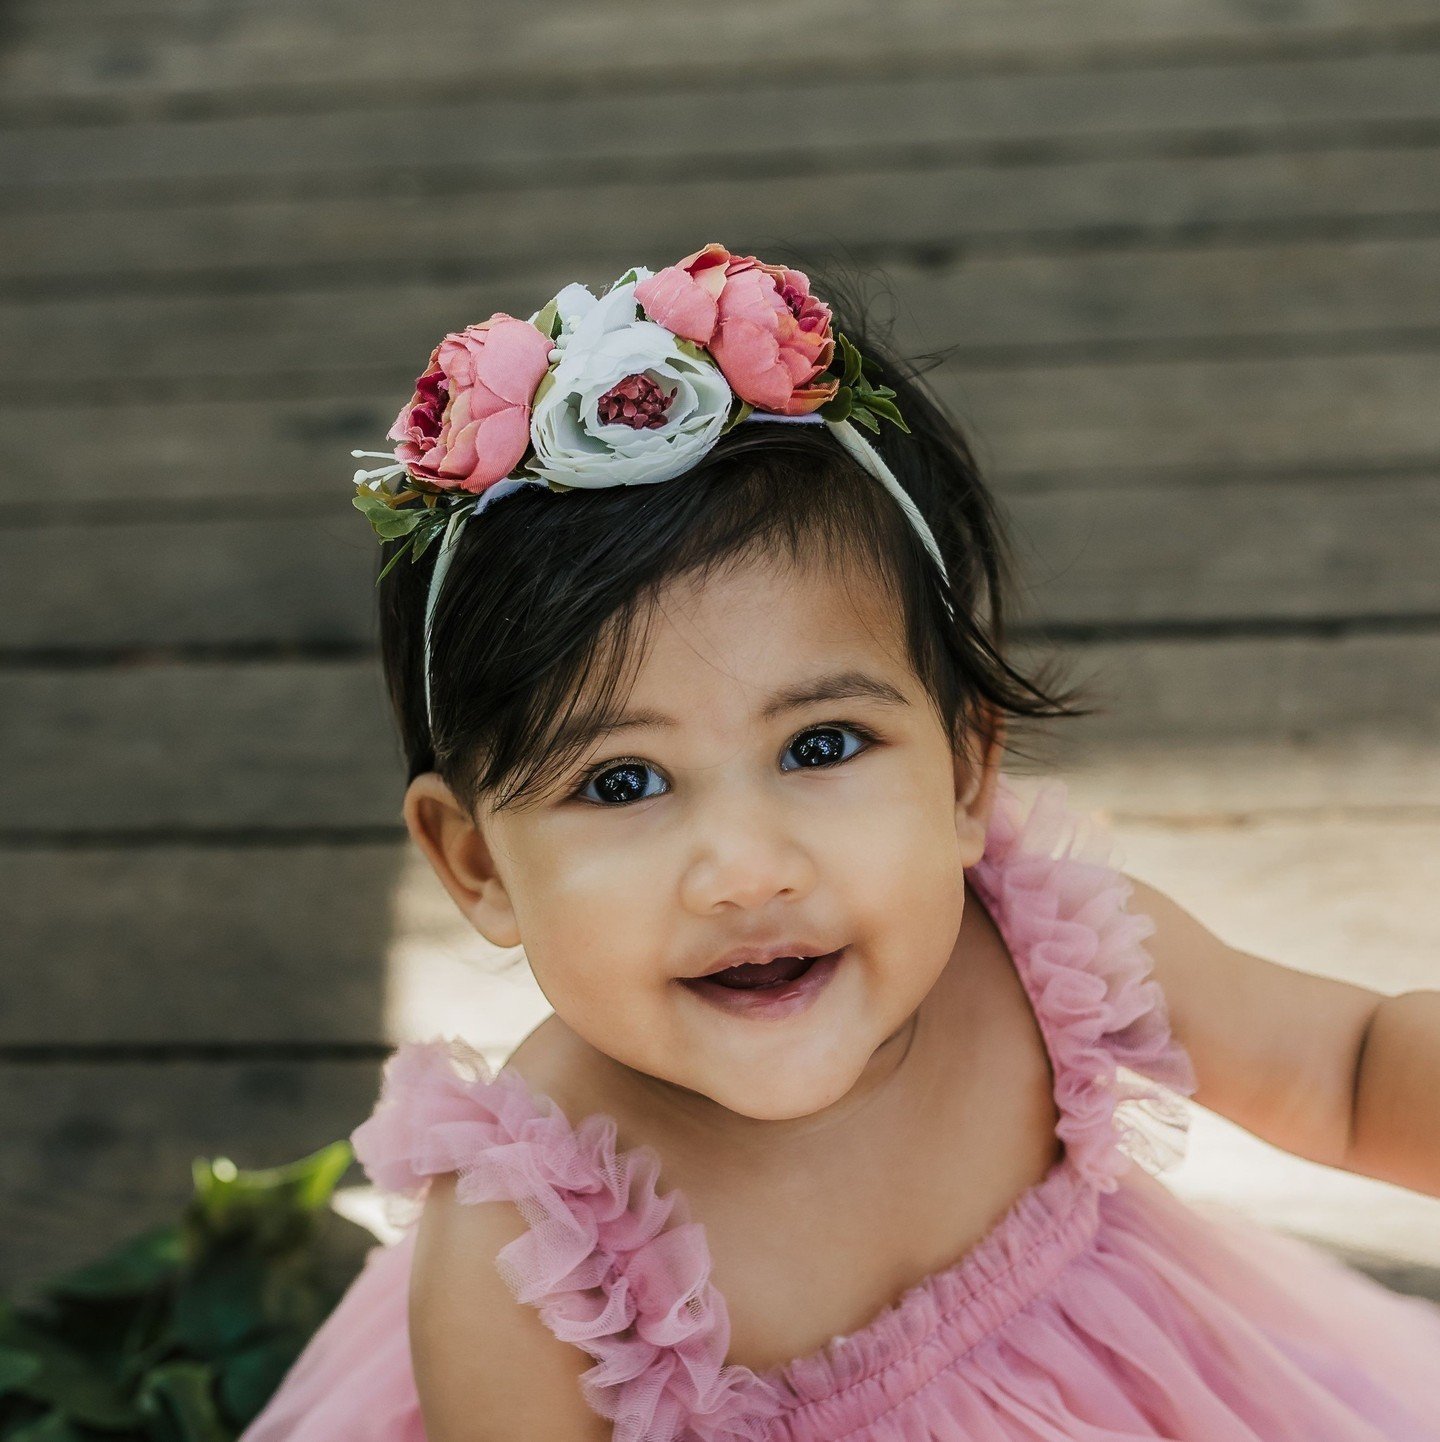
{"x":613,"y":1266}
{"x":1121,"y":1075}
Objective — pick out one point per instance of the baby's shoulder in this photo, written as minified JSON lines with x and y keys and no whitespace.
{"x":471,"y":1337}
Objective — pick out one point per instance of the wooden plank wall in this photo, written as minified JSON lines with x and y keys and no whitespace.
{"x":1190,"y":253}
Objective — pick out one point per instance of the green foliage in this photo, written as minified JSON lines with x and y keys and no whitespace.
{"x":390,"y":519}
{"x":183,"y":1332}
{"x":738,"y":411}
{"x":547,"y":320}
{"x":857,"y":399}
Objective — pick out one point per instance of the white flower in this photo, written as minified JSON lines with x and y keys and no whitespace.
{"x":675,"y":396}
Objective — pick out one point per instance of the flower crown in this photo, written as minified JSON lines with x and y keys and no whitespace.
{"x":630,"y":387}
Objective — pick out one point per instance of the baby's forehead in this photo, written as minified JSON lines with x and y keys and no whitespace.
{"x":758,"y":628}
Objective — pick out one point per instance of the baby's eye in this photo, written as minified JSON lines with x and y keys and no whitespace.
{"x":618,"y":784}
{"x":823,"y":745}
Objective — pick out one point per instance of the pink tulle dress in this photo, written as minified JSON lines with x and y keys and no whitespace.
{"x":1099,"y":1308}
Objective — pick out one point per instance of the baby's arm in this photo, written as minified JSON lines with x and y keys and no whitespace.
{"x":486,"y":1367}
{"x":1396,"y":1131}
{"x":1331,"y":1071}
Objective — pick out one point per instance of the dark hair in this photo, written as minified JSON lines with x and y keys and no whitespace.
{"x":547,"y":591}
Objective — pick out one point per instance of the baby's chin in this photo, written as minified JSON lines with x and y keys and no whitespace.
{"x":804,"y":1083}
{"x":773,"y":1104}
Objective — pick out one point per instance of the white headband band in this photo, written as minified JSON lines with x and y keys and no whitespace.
{"x":843,"y":431}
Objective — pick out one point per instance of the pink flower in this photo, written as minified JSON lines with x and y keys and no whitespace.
{"x":769,"y":336}
{"x":468,"y":423}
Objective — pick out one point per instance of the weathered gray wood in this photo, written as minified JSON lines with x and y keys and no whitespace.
{"x":1101,"y":556}
{"x":1223,"y":299}
{"x":210,"y":745}
{"x":149,"y":48}
{"x":945,"y":206}
{"x":1294,"y":689}
{"x":263,"y":745}
{"x":185,"y":943}
{"x":96,"y":1152}
{"x":1228,"y":552}
{"x":304,"y":580}
{"x":1131,"y":422}
{"x":911,"y":119}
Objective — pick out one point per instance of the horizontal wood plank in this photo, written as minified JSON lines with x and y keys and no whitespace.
{"x":149,"y":47}
{"x":1090,"y":556}
{"x":944,"y":206}
{"x":201,"y":745}
{"x":198,"y":944}
{"x":215,"y":747}
{"x":303,"y":581}
{"x":998,"y":310}
{"x":1135,"y":422}
{"x":589,"y":135}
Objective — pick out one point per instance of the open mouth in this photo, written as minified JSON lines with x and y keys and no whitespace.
{"x":755,"y":976}
{"x":778,"y":987}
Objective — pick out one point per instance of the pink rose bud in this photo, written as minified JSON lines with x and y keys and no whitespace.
{"x":468,"y":423}
{"x":769,"y":336}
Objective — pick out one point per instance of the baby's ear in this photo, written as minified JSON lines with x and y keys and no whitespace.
{"x":462,"y":858}
{"x":977,"y":770}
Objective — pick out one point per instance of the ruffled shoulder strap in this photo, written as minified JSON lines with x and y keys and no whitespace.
{"x":612,"y":1266}
{"x":1120,"y":1074}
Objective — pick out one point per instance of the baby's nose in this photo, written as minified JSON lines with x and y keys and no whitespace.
{"x":746,"y":858}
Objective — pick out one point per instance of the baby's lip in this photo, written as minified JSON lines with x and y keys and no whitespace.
{"x":758,"y":955}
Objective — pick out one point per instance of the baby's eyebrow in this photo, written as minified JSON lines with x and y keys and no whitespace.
{"x":837,"y":686}
{"x":834,"y":686}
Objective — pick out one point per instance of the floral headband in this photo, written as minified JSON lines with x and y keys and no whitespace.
{"x":630,"y":387}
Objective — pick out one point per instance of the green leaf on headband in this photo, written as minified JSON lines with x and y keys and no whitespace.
{"x":696,"y":352}
{"x":738,"y":411}
{"x":547,"y":384}
{"x":882,"y":407}
{"x":839,"y":406}
{"x":389,"y":565}
{"x":421,"y":542}
{"x":851,"y":358}
{"x":386,"y":521}
{"x":401,"y":551}
{"x":547,"y":319}
{"x":864,"y":418}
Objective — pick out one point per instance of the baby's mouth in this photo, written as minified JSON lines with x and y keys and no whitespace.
{"x":753,"y":976}
{"x":773,"y":975}
{"x":776,"y":989}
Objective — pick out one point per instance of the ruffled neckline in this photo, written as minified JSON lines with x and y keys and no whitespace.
{"x":620,"y":1269}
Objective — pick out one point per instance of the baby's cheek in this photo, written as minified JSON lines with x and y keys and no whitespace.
{"x":904,"y":858}
{"x":602,"y":937}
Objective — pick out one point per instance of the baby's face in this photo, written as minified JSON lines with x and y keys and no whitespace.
{"x":830,"y":826}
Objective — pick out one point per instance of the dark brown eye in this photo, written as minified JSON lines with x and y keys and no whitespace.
{"x":620,"y":784}
{"x":823,"y":746}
